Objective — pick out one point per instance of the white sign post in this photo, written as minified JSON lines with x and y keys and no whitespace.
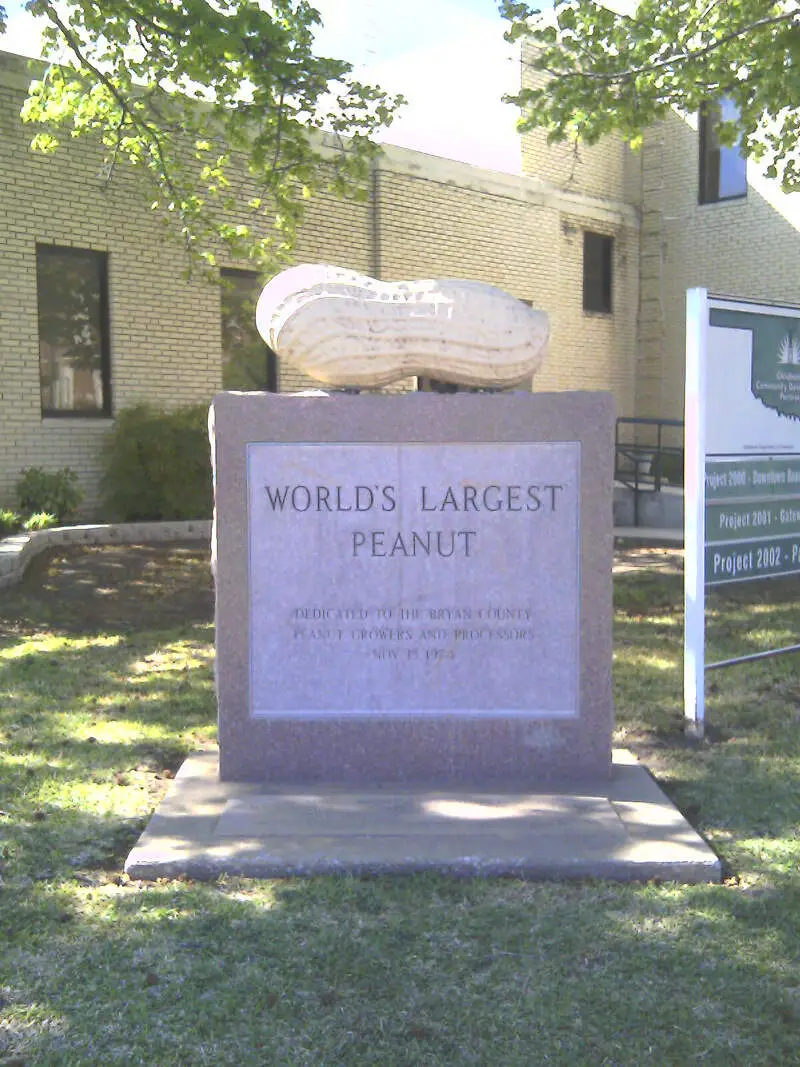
{"x":694,"y":510}
{"x":741,"y":465}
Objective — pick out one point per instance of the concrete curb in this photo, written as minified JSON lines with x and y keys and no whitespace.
{"x":16,"y":552}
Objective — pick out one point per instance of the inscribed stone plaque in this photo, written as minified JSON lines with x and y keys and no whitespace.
{"x":413,"y":589}
{"x":414,"y":579}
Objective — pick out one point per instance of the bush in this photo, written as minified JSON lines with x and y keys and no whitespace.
{"x":42,"y":520}
{"x":54,"y":492}
{"x":10,"y":522}
{"x":157,"y":465}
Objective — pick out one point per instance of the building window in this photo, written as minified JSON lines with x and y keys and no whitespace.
{"x":433,"y":385}
{"x":598,"y":250}
{"x":247,"y":362}
{"x":74,"y":363}
{"x":723,"y":169}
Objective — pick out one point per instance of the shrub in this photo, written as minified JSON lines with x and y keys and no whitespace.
{"x":157,"y":465}
{"x":10,"y":522}
{"x":41,"y":520}
{"x":54,"y":492}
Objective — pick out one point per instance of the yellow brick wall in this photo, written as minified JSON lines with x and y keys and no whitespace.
{"x":607,"y":169}
{"x":334,"y":231}
{"x":599,"y":349}
{"x":444,"y":219}
{"x":747,"y":248}
{"x":158,"y":320}
{"x":432,"y":218}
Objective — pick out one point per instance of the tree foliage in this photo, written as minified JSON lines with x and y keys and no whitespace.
{"x":603,"y":71}
{"x":217,"y":103}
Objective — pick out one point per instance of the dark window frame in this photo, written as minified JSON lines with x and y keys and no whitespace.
{"x":598,"y":273}
{"x":710,"y":158}
{"x":270,"y":357}
{"x":101,"y":258}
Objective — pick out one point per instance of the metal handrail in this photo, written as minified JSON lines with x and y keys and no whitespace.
{"x":633,"y":453}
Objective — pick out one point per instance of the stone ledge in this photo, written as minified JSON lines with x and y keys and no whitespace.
{"x":624,"y":829}
{"x":16,"y":552}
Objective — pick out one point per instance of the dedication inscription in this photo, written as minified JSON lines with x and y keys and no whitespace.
{"x":414,"y":579}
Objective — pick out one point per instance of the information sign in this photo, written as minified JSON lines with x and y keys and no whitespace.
{"x":742,"y":458}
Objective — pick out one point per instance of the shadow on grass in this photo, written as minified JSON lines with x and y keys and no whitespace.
{"x":92,"y":724}
{"x":80,"y":806}
{"x":92,"y":589}
{"x":391,"y":971}
{"x":46,"y":849}
{"x":743,"y":781}
{"x":154,"y":679}
{"x":412,"y":971}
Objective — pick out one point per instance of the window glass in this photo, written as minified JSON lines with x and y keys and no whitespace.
{"x":723,"y":169}
{"x":433,"y":385}
{"x":73,"y":331}
{"x":247,"y":362}
{"x":598,"y":251}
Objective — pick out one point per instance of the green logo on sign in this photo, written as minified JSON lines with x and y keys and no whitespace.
{"x":789,"y":350}
{"x":775,"y":376}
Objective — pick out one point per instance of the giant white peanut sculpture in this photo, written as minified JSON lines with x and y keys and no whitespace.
{"x":346,"y":329}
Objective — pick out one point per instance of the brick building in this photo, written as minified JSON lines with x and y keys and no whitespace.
{"x":605,"y":242}
{"x":708,"y":220}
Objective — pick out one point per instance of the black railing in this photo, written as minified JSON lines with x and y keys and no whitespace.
{"x":648,"y":461}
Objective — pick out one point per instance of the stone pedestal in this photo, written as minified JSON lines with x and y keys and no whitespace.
{"x":414,"y":589}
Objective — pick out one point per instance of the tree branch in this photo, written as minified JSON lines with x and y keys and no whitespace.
{"x":145,"y":128}
{"x":279,"y":130}
{"x":678,"y":57}
{"x":112,"y":165}
{"x":75,"y":44}
{"x":139,"y":18}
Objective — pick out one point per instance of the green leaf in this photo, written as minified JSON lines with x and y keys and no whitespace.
{"x":597,"y":71}
{"x":44,"y":142}
{"x":215,"y":103}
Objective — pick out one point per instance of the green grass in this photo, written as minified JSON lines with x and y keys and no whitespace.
{"x":106,"y":682}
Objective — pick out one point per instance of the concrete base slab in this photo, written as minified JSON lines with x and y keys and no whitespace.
{"x":625,"y":830}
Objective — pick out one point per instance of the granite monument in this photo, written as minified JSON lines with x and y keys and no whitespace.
{"x":412,"y":588}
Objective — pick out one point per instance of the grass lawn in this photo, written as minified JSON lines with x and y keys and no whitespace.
{"x":106,"y":681}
